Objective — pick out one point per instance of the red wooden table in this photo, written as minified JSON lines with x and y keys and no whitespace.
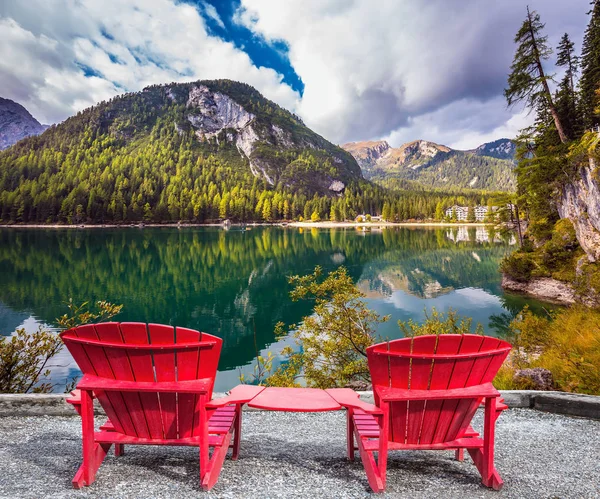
{"x":293,"y":399}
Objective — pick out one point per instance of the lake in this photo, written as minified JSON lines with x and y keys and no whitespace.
{"x":233,"y":283}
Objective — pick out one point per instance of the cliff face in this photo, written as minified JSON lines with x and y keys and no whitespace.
{"x":580,"y":203}
{"x":269,"y":138}
{"x":16,"y":123}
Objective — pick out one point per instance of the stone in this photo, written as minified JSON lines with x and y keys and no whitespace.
{"x":544,"y":288}
{"x":538,"y":378}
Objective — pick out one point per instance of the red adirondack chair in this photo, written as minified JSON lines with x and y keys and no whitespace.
{"x":427,"y":390}
{"x":154,"y":383}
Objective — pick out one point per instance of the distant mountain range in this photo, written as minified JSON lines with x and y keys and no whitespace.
{"x":16,"y":123}
{"x":489,"y":166}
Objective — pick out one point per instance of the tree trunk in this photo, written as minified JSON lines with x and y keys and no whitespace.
{"x":559,"y":128}
{"x":519,"y":226}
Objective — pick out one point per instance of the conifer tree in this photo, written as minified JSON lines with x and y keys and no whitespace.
{"x":439,"y":211}
{"x":566,"y":96}
{"x":590,"y":68}
{"x":471,"y":214}
{"x":528,"y":81}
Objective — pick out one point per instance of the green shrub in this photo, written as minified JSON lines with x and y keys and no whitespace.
{"x":25,"y":358}
{"x":518,"y":265}
{"x":566,"y":342}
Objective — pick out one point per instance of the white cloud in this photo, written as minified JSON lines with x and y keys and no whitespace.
{"x":47,"y":47}
{"x":211,"y":12}
{"x":373,"y":69}
{"x":401,"y":69}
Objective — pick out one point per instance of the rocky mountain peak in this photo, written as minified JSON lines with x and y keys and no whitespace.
{"x":16,"y":123}
{"x":489,"y":166}
{"x":225,"y":111}
{"x":420,"y":148}
{"x":501,"y":149}
{"x":367,"y":152}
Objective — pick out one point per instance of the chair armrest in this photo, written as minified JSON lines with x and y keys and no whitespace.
{"x":240,"y":394}
{"x":501,"y":405}
{"x":395,"y":394}
{"x":348,"y":398}
{"x":74,"y":397}
{"x":90,"y":382}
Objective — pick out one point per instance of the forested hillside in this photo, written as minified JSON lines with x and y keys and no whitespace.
{"x":194,"y":152}
{"x":201,"y":151}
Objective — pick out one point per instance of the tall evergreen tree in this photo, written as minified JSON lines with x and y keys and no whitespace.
{"x":528,"y":81}
{"x":590,"y":68}
{"x":566,"y":58}
{"x":566,"y":96}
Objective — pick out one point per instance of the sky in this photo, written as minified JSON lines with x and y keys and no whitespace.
{"x":397,"y":70}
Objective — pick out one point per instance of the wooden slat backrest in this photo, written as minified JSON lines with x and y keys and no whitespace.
{"x":121,"y":368}
{"x":434,"y":363}
{"x":420,"y":373}
{"x":164,"y":369}
{"x":124,"y":352}
{"x":207,"y":367}
{"x":142,"y":367}
{"x":439,"y":414}
{"x":187,"y":369}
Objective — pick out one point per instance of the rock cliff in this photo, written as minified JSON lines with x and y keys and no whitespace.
{"x":16,"y":123}
{"x":580,"y":203}
{"x":264,"y":135}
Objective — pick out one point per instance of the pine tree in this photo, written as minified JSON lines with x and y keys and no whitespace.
{"x":528,"y":81}
{"x":471,"y":214}
{"x":386,"y":212}
{"x":566,"y":96}
{"x":590,"y":68}
{"x":439,"y":211}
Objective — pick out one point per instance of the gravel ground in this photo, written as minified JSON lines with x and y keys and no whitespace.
{"x":303,"y":455}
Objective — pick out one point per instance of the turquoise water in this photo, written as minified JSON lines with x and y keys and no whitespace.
{"x":234,"y":283}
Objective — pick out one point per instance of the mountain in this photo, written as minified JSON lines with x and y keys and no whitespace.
{"x":433,"y":165}
{"x":16,"y":123}
{"x":501,"y":149}
{"x":183,"y":151}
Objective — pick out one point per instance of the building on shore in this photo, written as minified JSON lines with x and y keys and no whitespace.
{"x":462,"y":212}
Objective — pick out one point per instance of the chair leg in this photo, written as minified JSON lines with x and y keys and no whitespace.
{"x":215,"y":464}
{"x":93,"y":453}
{"x":203,"y":450}
{"x":484,"y":458}
{"x":119,"y":449}
{"x":237,"y":436}
{"x":383,"y":443}
{"x":459,"y":454}
{"x":371,"y":468}
{"x":350,"y":433}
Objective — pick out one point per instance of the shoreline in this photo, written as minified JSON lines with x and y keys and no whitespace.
{"x":325,"y":224}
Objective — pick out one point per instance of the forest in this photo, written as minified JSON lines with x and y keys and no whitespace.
{"x":137,"y":159}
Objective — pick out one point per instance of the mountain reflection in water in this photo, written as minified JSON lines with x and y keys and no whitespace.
{"x":234,"y":283}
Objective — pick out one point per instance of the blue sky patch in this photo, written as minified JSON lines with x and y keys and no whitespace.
{"x":271,"y":55}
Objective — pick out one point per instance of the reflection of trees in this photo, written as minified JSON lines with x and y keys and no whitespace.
{"x":207,"y":279}
{"x":217,"y":281}
{"x":432,"y":270}
{"x":513,"y":304}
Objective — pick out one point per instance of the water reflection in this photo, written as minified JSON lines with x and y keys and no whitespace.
{"x":234,"y":283}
